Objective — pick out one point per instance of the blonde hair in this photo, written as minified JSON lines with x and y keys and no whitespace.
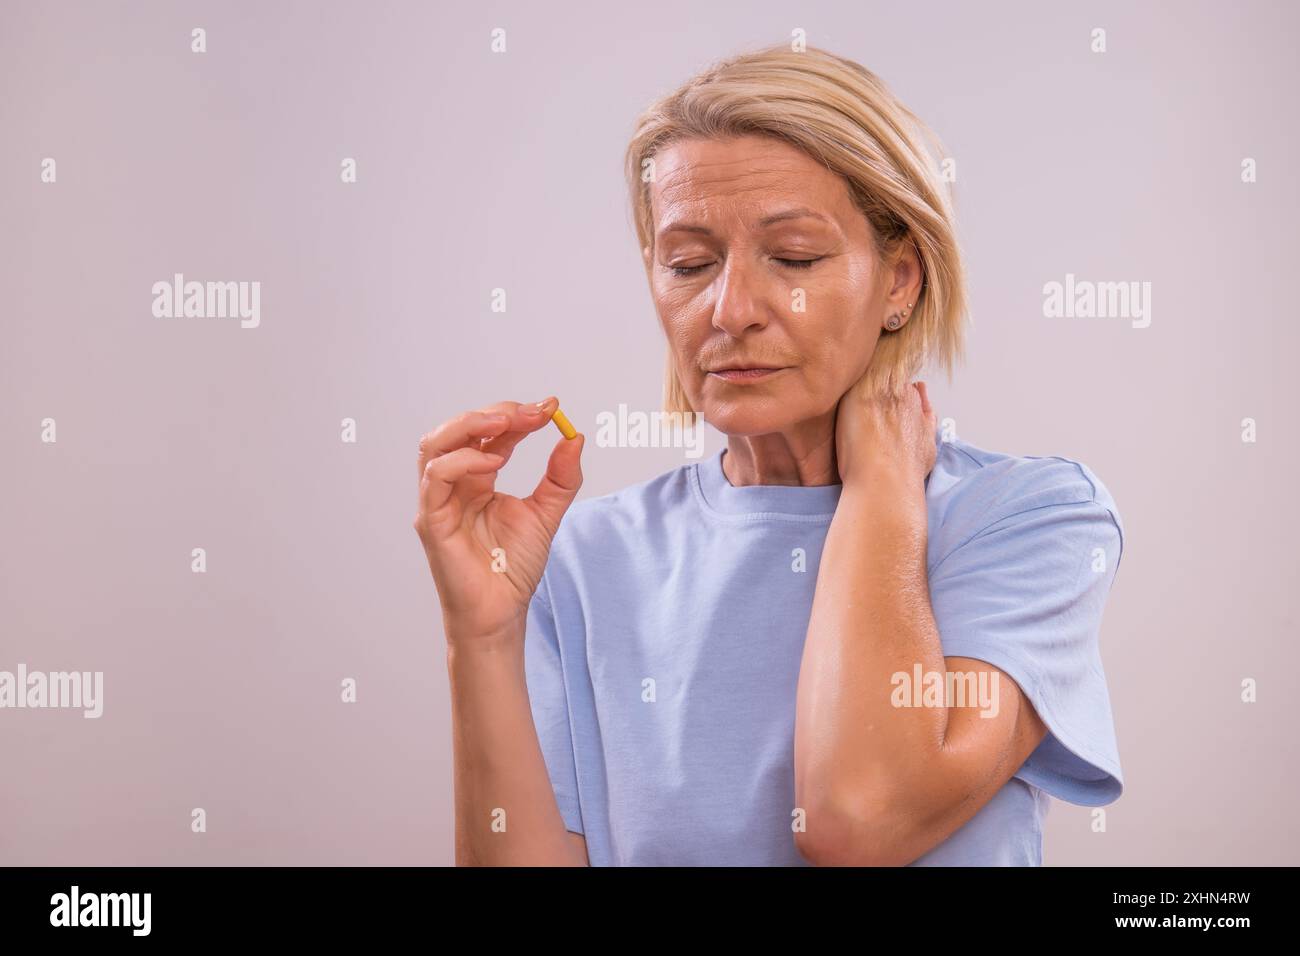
{"x":842,"y":115}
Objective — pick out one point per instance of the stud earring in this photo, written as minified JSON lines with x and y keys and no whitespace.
{"x":894,"y":321}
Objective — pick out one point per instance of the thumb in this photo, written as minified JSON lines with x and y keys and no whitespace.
{"x":559,"y":486}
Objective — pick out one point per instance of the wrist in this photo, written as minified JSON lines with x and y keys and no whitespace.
{"x":467,"y":641}
{"x":886,"y":502}
{"x":890,"y":484}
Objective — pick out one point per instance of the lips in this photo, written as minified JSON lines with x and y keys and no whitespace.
{"x":745,"y":373}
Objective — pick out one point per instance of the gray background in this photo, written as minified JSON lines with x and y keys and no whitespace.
{"x":479,"y":171}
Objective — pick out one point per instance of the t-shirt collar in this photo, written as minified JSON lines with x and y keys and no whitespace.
{"x":724,"y":497}
{"x":721,"y":495}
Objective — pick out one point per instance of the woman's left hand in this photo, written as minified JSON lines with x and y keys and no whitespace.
{"x":888,"y":438}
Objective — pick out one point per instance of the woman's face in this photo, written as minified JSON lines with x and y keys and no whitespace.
{"x":762,"y":260}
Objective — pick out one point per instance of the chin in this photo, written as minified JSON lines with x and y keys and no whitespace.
{"x":748,"y":417}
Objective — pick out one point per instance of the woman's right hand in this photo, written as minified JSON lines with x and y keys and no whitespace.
{"x":487,"y":550}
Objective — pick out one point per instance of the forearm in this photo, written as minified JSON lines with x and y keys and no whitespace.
{"x":506,"y":812}
{"x":858,"y":758}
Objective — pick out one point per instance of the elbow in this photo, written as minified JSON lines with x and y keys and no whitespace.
{"x":854,"y":833}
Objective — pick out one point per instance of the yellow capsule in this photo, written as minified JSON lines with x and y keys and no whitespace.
{"x":563,"y":424}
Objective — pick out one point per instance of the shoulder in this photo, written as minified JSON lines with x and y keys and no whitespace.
{"x":973,"y":489}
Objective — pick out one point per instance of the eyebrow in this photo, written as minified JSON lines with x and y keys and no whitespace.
{"x":799,"y":213}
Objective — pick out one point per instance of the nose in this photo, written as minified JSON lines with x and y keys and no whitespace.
{"x":739,"y":307}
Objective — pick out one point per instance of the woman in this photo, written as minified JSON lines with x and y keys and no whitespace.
{"x":840,"y":640}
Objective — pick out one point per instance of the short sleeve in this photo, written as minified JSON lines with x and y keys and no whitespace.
{"x":1026,"y":594}
{"x":548,"y":698}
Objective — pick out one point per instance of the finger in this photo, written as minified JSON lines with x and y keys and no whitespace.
{"x":524,"y":420}
{"x":442,"y":473}
{"x":559,"y":486}
{"x":461,"y":431}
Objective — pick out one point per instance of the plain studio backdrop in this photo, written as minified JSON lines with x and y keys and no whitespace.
{"x":478,"y":171}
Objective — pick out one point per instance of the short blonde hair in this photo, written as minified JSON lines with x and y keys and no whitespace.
{"x":843,"y":116}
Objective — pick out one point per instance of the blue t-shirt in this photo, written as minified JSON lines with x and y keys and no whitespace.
{"x":664,"y":642}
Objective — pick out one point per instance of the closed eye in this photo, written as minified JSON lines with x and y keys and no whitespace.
{"x":684,"y":271}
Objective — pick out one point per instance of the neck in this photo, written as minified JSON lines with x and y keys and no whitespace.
{"x":801,"y":455}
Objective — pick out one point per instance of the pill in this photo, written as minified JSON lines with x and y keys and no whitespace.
{"x":564,"y":425}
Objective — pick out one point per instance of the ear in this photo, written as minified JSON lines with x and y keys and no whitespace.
{"x":909,"y":274}
{"x":908,"y":277}
{"x":645,"y":254}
